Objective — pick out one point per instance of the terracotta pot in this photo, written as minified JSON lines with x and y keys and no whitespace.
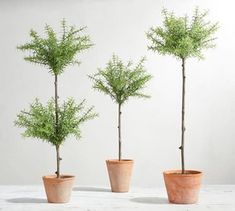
{"x":58,"y":190}
{"x":119,"y":174}
{"x":182,"y":188}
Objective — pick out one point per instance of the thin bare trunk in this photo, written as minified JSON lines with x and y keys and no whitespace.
{"x":56,"y":102}
{"x":119,"y":133}
{"x":183,"y":116}
{"x":58,"y":161}
{"x":56,"y":127}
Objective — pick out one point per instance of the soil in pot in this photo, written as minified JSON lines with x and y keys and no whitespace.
{"x":182,"y":188}
{"x":58,"y":190}
{"x":120,"y":174}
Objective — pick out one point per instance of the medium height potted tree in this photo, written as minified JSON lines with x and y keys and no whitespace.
{"x":121,"y":81}
{"x":52,"y":122}
{"x":183,"y":39}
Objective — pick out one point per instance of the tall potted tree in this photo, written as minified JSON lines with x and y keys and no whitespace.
{"x":52,"y":122}
{"x":183,"y":39}
{"x":121,"y":81}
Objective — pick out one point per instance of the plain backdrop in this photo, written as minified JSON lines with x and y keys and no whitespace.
{"x":151,"y":128}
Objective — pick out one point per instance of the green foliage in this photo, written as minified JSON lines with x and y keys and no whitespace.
{"x":39,"y":121}
{"x":181,"y":37}
{"x":56,"y":52}
{"x":121,"y":81}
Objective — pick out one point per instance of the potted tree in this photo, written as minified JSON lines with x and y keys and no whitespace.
{"x":183,"y":39}
{"x":52,"y":122}
{"x":121,"y":81}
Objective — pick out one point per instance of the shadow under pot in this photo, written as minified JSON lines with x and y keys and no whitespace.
{"x":58,"y":190}
{"x":182,"y":188}
{"x":120,"y":174}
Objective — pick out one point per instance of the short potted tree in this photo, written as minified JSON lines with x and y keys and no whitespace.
{"x":52,"y":122}
{"x":121,"y":81}
{"x":183,"y":39}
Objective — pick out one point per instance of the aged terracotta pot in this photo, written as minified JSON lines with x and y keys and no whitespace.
{"x":119,"y":174}
{"x":58,"y":190}
{"x":182,"y":188}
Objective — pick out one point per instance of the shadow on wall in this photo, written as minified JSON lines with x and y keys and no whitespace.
{"x":91,"y":189}
{"x":27,"y":200}
{"x":150,"y":200}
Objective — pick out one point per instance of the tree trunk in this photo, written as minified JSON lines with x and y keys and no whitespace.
{"x":56,"y":127}
{"x":182,"y":116}
{"x":119,"y":133}
{"x":58,"y":161}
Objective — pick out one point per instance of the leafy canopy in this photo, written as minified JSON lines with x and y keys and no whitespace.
{"x":121,"y":81}
{"x":39,"y":121}
{"x":56,"y":52}
{"x":181,"y":37}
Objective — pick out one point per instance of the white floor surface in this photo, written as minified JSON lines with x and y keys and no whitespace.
{"x":32,"y":198}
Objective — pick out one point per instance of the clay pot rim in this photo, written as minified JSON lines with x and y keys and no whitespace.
{"x":189,"y":173}
{"x":122,"y":161}
{"x":63,"y":177}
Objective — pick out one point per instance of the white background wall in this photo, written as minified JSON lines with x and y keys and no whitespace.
{"x":151,"y":128}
